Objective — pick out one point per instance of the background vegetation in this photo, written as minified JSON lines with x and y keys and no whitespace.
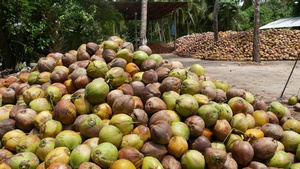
{"x":31,"y":29}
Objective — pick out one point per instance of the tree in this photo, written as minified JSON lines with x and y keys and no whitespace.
{"x":216,"y":9}
{"x":143,"y":22}
{"x":256,"y":57}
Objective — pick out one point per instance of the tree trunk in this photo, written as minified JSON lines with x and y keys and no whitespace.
{"x":188,"y":27}
{"x":216,"y":31}
{"x":256,"y":57}
{"x":143,"y":38}
{"x":8,"y":60}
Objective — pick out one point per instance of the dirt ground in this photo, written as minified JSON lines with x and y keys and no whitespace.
{"x":265,"y":79}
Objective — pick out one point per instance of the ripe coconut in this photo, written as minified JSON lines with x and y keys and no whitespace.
{"x":50,"y":129}
{"x":242,"y":152}
{"x":64,"y":111}
{"x":169,"y":162}
{"x":131,"y":154}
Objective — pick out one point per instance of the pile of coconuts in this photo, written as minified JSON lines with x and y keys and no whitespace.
{"x":275,"y":44}
{"x":108,"y":106}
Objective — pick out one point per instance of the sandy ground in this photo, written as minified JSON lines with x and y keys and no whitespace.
{"x":266,"y":79}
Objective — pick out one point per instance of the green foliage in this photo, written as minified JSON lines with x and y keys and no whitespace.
{"x":269,"y":12}
{"x":38,"y":27}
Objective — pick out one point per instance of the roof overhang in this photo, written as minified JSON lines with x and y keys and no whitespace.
{"x":156,"y":10}
{"x":283,"y":23}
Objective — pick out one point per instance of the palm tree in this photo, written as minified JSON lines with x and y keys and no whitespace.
{"x":216,"y":9}
{"x":256,"y":32}
{"x":143,"y":23}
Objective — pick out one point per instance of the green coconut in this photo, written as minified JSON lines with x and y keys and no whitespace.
{"x":97,"y":69}
{"x":151,"y":162}
{"x":116,"y":76}
{"x":198,"y":69}
{"x":186,"y":105}
{"x":180,"y":129}
{"x":26,"y":160}
{"x":53,"y":94}
{"x":96,"y":92}
{"x":209,"y":114}
{"x":104,"y":154}
{"x":44,"y":147}
{"x":193,"y":159}
{"x":79,"y":155}
{"x":40,"y":104}
{"x":111,"y":134}
{"x":179,"y":73}
{"x":277,"y":108}
{"x":169,"y":98}
{"x":190,"y":86}
{"x":68,"y":138}
{"x":156,"y":57}
{"x":139,"y":57}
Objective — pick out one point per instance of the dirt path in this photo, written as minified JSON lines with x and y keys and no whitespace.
{"x":266,"y":79}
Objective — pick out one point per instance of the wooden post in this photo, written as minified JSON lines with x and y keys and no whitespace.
{"x":135,"y":31}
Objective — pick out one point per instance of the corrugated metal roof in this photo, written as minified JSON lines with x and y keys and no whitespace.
{"x":283,"y":23}
{"x":156,"y":10}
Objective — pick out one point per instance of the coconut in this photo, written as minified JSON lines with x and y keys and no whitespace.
{"x":82,"y":54}
{"x":65,"y":112}
{"x":79,"y":155}
{"x":11,"y":139}
{"x":41,"y":118}
{"x":111,"y":134}
{"x":221,"y":129}
{"x":186,"y":105}
{"x":6,"y":125}
{"x":193,"y":159}
{"x":8,"y":96}
{"x":200,"y":144}
{"x":108,"y":55}
{"x":215,"y":157}
{"x":115,"y":76}
{"x":21,"y":88}
{"x":146,"y":49}
{"x":131,"y":154}
{"x":113,"y":95}
{"x":160,"y":115}
{"x":139,"y":116}
{"x":177,"y":146}
{"x":68,"y":138}
{"x":90,"y":126}
{"x":169,"y":162}
{"x":124,"y":104}
{"x":290,"y":140}
{"x":96,"y":92}
{"x":277,"y":108}
{"x":154,"y":104}
{"x":161,"y":132}
{"x":242,"y":152}
{"x":28,"y":159}
{"x":231,"y":93}
{"x":280,"y":159}
{"x":264,"y":148}
{"x":127,"y":45}
{"x":59,"y":154}
{"x":50,"y":129}
{"x":32,"y":93}
{"x":92,"y":142}
{"x":104,"y":154}
{"x":132,"y":140}
{"x":46,"y":64}
{"x":239,"y":122}
{"x":40,"y":104}
{"x":103,"y":111}
{"x":137,"y":87}
{"x":123,"y":122}
{"x":153,"y":149}
{"x":25,"y":119}
{"x":238,"y":105}
{"x":272,"y":130}
{"x":28,"y":143}
{"x":170,"y":84}
{"x":148,"y":65}
{"x":209,"y":114}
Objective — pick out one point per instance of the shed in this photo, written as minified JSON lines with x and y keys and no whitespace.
{"x":283,"y":23}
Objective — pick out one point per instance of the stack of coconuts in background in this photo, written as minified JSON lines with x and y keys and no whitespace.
{"x":108,"y":106}
{"x":275,"y":44}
